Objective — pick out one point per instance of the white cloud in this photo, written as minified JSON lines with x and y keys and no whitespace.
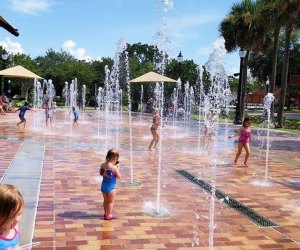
{"x":30,"y":6}
{"x":191,"y":21}
{"x":204,"y":51}
{"x":80,"y":54}
{"x":11,"y":47}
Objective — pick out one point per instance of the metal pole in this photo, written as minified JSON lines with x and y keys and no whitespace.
{"x":4,"y":77}
{"x":96,"y":96}
{"x":238,"y":118}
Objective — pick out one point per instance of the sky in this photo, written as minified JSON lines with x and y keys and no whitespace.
{"x":91,"y":29}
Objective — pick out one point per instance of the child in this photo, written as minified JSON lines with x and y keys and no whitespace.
{"x":12,"y":204}
{"x":110,"y":172}
{"x":207,"y":123}
{"x":244,"y":140}
{"x":154,"y":128}
{"x":76,"y":116}
{"x":49,"y":114}
{"x":23,"y":110}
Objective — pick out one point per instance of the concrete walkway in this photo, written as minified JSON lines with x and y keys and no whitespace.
{"x":25,"y":173}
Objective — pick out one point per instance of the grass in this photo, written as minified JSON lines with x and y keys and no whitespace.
{"x":254,"y":125}
{"x":296,"y":131}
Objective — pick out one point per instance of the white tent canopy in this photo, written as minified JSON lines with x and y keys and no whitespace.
{"x":151,"y":77}
{"x":19,"y":72}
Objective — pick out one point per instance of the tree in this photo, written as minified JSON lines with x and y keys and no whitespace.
{"x":62,"y":67}
{"x":187,"y":72}
{"x":260,"y":63}
{"x":290,"y":11}
{"x":241,"y":28}
{"x":270,"y":16}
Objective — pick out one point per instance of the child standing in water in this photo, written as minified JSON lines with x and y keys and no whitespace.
{"x":154,"y":128}
{"x":110,"y":172}
{"x":76,"y":116}
{"x":244,"y":140}
{"x":22,"y":112}
{"x":11,"y":207}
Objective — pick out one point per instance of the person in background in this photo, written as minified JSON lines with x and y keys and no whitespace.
{"x":22,"y":112}
{"x":76,"y":116}
{"x":154,"y":128}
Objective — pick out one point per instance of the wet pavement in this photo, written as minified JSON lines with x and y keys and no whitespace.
{"x":183,"y":216}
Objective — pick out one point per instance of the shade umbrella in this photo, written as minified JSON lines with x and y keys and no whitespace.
{"x":19,"y":72}
{"x":151,"y":77}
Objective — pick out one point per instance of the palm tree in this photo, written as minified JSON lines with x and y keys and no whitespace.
{"x":242,"y":28}
{"x":270,"y":16}
{"x":290,"y":16}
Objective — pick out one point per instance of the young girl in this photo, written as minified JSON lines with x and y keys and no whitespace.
{"x":154,"y":128}
{"x":110,"y":172}
{"x":11,"y":206}
{"x":244,"y":140}
{"x":23,"y":110}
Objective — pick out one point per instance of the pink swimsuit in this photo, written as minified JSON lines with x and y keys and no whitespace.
{"x":245,"y":136}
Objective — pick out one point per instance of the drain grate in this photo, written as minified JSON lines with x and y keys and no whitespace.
{"x":242,"y":209}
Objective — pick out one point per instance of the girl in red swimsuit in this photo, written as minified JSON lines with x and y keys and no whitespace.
{"x":244,"y":140}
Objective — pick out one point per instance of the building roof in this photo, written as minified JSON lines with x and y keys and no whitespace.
{"x":4,"y":24}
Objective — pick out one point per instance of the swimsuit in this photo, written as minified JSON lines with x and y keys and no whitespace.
{"x":108,"y":183}
{"x":154,"y":125}
{"x":245,"y":136}
{"x":10,"y":244}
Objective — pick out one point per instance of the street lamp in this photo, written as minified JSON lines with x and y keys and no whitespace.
{"x":238,"y":118}
{"x":180,"y":60}
{"x":9,"y":89}
{"x":4,"y":56}
{"x":180,"y":57}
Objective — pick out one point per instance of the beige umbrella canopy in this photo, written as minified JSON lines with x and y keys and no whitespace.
{"x":20,"y":72}
{"x":151,"y":77}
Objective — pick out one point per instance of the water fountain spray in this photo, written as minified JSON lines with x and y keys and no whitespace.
{"x":268,"y":100}
{"x":214,"y":101}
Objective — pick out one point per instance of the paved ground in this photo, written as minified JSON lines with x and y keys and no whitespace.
{"x":69,"y":212}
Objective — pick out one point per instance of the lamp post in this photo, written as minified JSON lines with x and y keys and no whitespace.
{"x":180,"y":57}
{"x":4,"y":56}
{"x":9,"y":89}
{"x":180,"y":60}
{"x":267,"y":85}
{"x":238,"y":118}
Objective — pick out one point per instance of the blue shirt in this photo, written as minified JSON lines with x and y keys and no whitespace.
{"x":23,"y":109}
{"x":76,"y":115}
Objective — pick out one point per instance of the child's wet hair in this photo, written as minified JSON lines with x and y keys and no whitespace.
{"x":26,"y":103}
{"x":111,"y":154}
{"x":247,"y":119}
{"x":11,"y":201}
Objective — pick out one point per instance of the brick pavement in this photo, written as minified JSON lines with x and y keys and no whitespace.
{"x":70,"y":203}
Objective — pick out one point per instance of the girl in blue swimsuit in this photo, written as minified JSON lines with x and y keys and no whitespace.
{"x":12,"y":205}
{"x":110,"y":172}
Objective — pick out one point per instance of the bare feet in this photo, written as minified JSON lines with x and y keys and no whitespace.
{"x":235,"y":162}
{"x":246,"y":164}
